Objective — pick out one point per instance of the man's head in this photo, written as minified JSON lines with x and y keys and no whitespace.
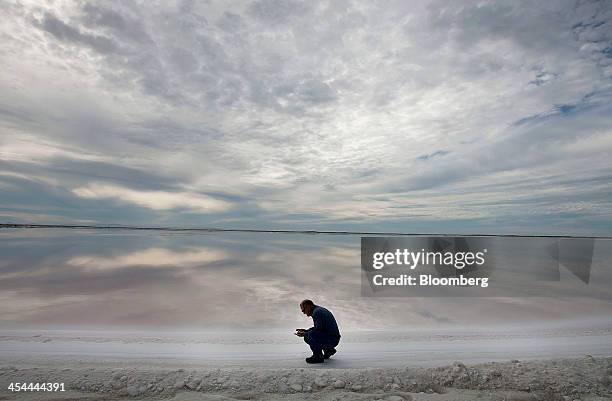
{"x":307,"y":306}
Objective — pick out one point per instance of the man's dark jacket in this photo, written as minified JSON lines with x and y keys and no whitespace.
{"x":324,"y":322}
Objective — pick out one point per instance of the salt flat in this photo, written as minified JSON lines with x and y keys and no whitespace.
{"x":282,"y":350}
{"x":537,"y":364}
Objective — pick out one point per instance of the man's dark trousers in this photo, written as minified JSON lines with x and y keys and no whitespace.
{"x":320,"y":341}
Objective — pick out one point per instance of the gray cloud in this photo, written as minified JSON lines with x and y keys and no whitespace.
{"x":555,"y":130}
{"x":65,"y":32}
{"x":278,"y":12}
{"x":341,"y":115}
{"x":124,"y":26}
{"x":437,"y":153}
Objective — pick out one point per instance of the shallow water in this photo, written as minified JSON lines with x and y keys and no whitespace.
{"x":152,"y":280}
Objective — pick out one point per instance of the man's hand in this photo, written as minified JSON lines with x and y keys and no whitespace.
{"x":300,"y":332}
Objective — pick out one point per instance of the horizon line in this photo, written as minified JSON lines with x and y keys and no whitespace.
{"x":279,"y":231}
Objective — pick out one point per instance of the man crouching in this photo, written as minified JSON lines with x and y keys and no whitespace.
{"x":324,"y":336}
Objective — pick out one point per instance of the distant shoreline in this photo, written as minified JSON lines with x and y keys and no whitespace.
{"x":249,"y":230}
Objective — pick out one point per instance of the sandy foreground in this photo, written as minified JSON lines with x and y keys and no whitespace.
{"x":558,"y":364}
{"x":586,"y":378}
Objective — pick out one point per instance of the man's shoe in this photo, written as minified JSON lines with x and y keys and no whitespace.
{"x":314,"y":359}
{"x":328,"y":352}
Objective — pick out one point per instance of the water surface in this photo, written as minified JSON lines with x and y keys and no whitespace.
{"x":117,"y":279}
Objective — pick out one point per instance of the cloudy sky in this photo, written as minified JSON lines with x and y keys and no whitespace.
{"x":434,"y":116}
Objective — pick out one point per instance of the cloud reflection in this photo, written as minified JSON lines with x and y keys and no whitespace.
{"x":152,"y":257}
{"x":230,"y":281}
